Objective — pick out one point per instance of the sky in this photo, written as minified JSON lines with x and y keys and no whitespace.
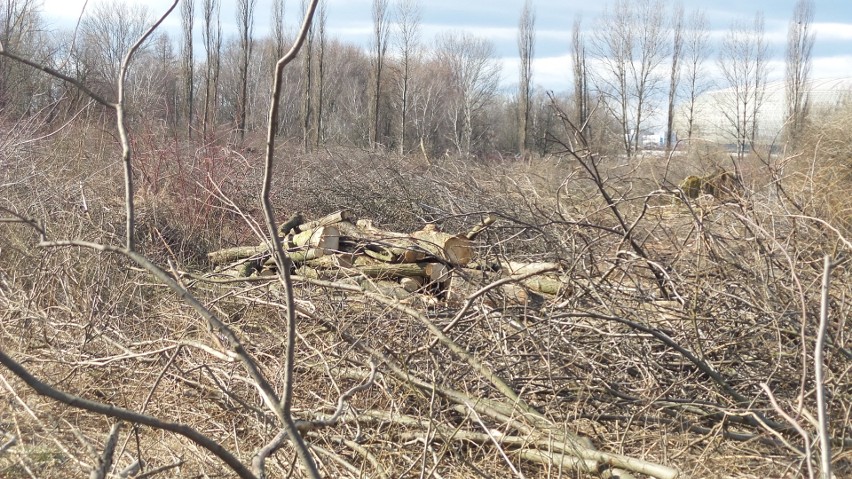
{"x":497,"y":20}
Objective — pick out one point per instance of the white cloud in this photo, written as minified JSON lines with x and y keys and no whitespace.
{"x":833,"y":31}
{"x":837,"y":66}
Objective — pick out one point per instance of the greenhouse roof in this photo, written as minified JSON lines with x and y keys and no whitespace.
{"x":715,"y":111}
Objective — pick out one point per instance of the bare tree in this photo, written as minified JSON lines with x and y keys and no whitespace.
{"x":279,"y":406}
{"x":674,"y":80}
{"x":581,"y":86}
{"x":21,"y":32}
{"x":381,"y":34}
{"x":212,"y":37}
{"x":187,"y":18}
{"x":800,"y":43}
{"x":630,"y":44}
{"x":696,"y":50}
{"x":526,"y":51}
{"x":105,"y":35}
{"x":428,"y":103}
{"x":474,"y":76}
{"x":245,"y":24}
{"x":408,"y":15}
{"x":742,"y":60}
{"x":307,"y":84}
{"x":278,"y":27}
{"x":320,"y":23}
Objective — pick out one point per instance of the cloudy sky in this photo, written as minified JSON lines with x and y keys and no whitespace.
{"x":497,"y":20}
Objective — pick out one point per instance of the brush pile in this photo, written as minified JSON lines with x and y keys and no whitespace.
{"x":424,"y":266}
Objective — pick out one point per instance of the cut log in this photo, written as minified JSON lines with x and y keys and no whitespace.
{"x":307,"y":272}
{"x":385,"y":246}
{"x":463,"y":282}
{"x":332,"y":261}
{"x":515,"y":268}
{"x":290,"y":224}
{"x":454,"y":249}
{"x":299,"y":256}
{"x":482,"y":226}
{"x":378,"y":270}
{"x":322,"y":237}
{"x":517,"y":294}
{"x":228,"y":255}
{"x":387,"y":288}
{"x":546,"y":284}
{"x":334,"y":218}
{"x":411,"y":284}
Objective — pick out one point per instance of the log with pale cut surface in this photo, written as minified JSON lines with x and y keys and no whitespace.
{"x":454,"y":249}
{"x":326,"y":238}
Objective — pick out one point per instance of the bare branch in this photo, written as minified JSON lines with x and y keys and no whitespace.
{"x":44,"y":389}
{"x":819,"y":375}
{"x":55,"y":73}
{"x":105,"y":462}
{"x":130,"y":225}
{"x":281,"y":259}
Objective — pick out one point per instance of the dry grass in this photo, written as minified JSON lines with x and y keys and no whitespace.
{"x":604,"y":360}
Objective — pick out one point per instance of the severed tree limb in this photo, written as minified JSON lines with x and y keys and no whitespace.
{"x":586,"y":460}
{"x":482,"y":226}
{"x":125,"y":414}
{"x":498,"y":382}
{"x":130,"y":471}
{"x":259,"y":459}
{"x":158,"y":470}
{"x":819,"y":374}
{"x":531,"y":423}
{"x":292,"y":224}
{"x":130,"y":224}
{"x":57,"y":74}
{"x":13,"y":439}
{"x":337,"y":217}
{"x":118,"y":106}
{"x":105,"y":462}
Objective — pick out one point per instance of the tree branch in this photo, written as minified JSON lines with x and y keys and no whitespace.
{"x":281,"y":259}
{"x":109,"y":410}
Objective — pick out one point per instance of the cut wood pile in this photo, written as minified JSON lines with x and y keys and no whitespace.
{"x":429,"y":265}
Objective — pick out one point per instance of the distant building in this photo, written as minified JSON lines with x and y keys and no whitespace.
{"x":654,"y":140}
{"x":715,"y":109}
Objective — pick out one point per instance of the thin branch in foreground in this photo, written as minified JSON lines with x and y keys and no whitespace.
{"x":281,"y":259}
{"x":108,"y":410}
{"x":129,"y":210}
{"x":819,"y":375}
{"x":105,"y":461}
{"x":57,"y":74}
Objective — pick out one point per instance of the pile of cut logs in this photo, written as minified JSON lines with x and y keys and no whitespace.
{"x":428,"y":264}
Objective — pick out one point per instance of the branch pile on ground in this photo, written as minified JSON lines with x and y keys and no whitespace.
{"x":426,"y":265}
{"x":552,"y":352}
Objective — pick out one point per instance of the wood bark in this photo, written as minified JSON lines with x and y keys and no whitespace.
{"x":323,"y":237}
{"x":387,"y":246}
{"x":378,"y":270}
{"x":334,"y":218}
{"x":228,"y":255}
{"x":326,"y":238}
{"x":517,"y":268}
{"x":545,"y":284}
{"x":454,"y":249}
{"x":482,"y":226}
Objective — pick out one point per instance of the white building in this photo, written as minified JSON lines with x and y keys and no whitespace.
{"x":715,"y":110}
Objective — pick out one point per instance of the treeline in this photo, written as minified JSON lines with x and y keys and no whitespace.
{"x":637,"y":61}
